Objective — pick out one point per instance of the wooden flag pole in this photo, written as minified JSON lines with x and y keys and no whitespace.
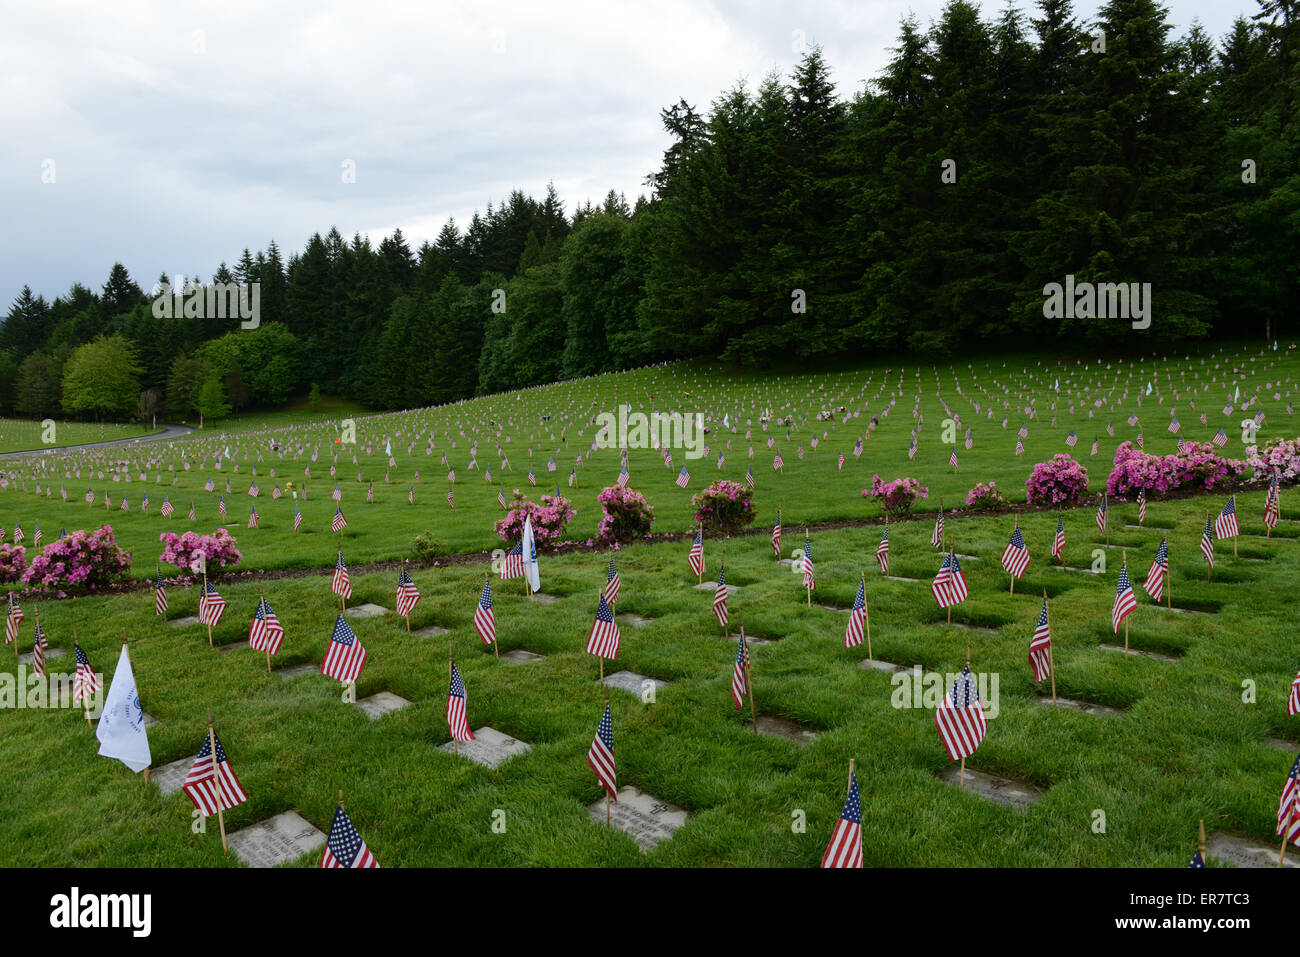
{"x":849,"y":787}
{"x":866,"y":615}
{"x":1281,"y":859}
{"x":1051,"y":665}
{"x":216,"y":779}
{"x":1200,"y":839}
{"x":261,"y":598}
{"x":203,"y":600}
{"x":1234,"y":546}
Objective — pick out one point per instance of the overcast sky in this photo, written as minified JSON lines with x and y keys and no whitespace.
{"x":177,"y":133}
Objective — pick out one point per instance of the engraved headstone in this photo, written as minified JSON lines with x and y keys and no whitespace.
{"x":1243,"y":852}
{"x":50,"y":654}
{"x":635,"y":621}
{"x":632,"y":682}
{"x":712,"y":586}
{"x":381,"y":703}
{"x":782,"y":728}
{"x":169,"y":777}
{"x":645,"y":818}
{"x":1087,"y":707}
{"x":433,"y":631}
{"x":183,"y":622}
{"x":368,"y":610}
{"x":1073,"y":568}
{"x":992,"y":787}
{"x":520,"y":656}
{"x":489,"y":748}
{"x":1154,"y":656}
{"x":900,"y":578}
{"x":544,"y":598}
{"x":886,"y":666}
{"x":297,"y":671}
{"x":285,"y":837}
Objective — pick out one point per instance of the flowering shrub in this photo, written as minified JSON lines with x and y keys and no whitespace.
{"x":1062,"y":481}
{"x":896,"y":497}
{"x":626,"y":516}
{"x":82,"y":559}
{"x":1280,"y":454}
{"x":724,"y":507}
{"x":13,"y":562}
{"x":549,"y":519}
{"x":985,"y":495}
{"x":182,"y":550}
{"x":1197,"y":465}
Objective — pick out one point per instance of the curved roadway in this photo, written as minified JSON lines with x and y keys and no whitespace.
{"x":168,"y":432}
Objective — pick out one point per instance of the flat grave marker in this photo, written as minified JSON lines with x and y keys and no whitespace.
{"x":1243,"y":852}
{"x":1153,"y":655}
{"x":992,"y":787}
{"x":382,"y":703}
{"x":713,"y":587}
{"x":520,"y":656}
{"x":50,"y":654}
{"x":368,"y":610}
{"x":432,"y":631}
{"x":784,"y":728}
{"x":285,"y":837}
{"x":633,"y":683}
{"x":169,"y":777}
{"x":643,"y":817}
{"x":1087,"y":707}
{"x":636,"y":621}
{"x":184,"y":622}
{"x":490,"y":747}
{"x":297,"y":671}
{"x":888,"y":667}
{"x":544,"y":598}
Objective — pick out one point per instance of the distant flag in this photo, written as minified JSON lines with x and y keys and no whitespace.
{"x":1058,"y":543}
{"x":857,"y":617}
{"x":159,"y":595}
{"x":1072,"y":440}
{"x":167,"y":507}
{"x":882,"y":552}
{"x":485,"y":622}
{"x":623,"y":476}
{"x":457,"y":720}
{"x":604,"y":638}
{"x":297,"y":517}
{"x":696,"y":556}
{"x":39,"y":645}
{"x":720,"y":597}
{"x":1125,"y":601}
{"x":740,"y":672}
{"x":1158,"y":573}
{"x":612,"y":583}
{"x":1020,"y":446}
{"x":936,"y":536}
{"x":1015,"y":557}
{"x":970,"y":440}
{"x":211,"y":606}
{"x":683,"y":478}
{"x":809,"y":575}
{"x":191,"y":511}
{"x":221,"y":506}
{"x":1271,"y":506}
{"x":339,"y":522}
{"x":601,"y":755}
{"x":1207,"y":542}
{"x":1142,"y":506}
{"x":211,"y":783}
{"x":1101,"y":514}
{"x":340,"y":582}
{"x":960,"y":718}
{"x":253,"y":517}
{"x":1288,"y":807}
{"x":778,"y":463}
{"x":776,"y":533}
{"x":408,"y":596}
{"x":345,"y":656}
{"x":265,"y":633}
{"x":344,"y":847}
{"x":1095,"y":441}
{"x":952,"y":458}
{"x":337,"y":494}
{"x":845,"y":847}
{"x":86,"y":683}
{"x":1040,"y":647}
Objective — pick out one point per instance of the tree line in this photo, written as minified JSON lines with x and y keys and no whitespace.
{"x":924,"y":213}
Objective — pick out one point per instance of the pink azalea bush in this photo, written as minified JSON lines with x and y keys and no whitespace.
{"x":898,"y":496}
{"x":985,"y":495}
{"x":182,"y":550}
{"x":1280,"y":455}
{"x":81,"y":560}
{"x":13,"y":562}
{"x":1198,"y":465}
{"x":1061,"y":481}
{"x":549,"y":519}
{"x":626,"y":516}
{"x":724,"y":507}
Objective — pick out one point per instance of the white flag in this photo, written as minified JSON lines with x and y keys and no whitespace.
{"x":121,"y":730}
{"x":531,"y":570}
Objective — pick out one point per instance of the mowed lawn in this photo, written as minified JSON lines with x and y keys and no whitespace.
{"x":1185,"y":747}
{"x":812,"y":489}
{"x":21,"y":435}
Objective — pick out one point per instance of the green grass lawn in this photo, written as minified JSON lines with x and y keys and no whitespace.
{"x":21,"y":435}
{"x":1186,"y":746}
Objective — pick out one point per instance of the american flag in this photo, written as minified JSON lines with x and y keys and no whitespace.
{"x":344,"y":847}
{"x":370,"y":492}
{"x":1015,"y":557}
{"x":970,"y":440}
{"x":1288,"y":807}
{"x":221,"y":506}
{"x":604,"y":637}
{"x":809,"y":576}
{"x":159,"y":595}
{"x":882,"y":552}
{"x":485,"y":621}
{"x":696,"y":556}
{"x":1158,"y":573}
{"x":1023,"y":432}
{"x":1207,"y":542}
{"x":720,"y":597}
{"x":297,"y":518}
{"x":275,"y":491}
{"x":339,"y":522}
{"x":265,"y":633}
{"x":941,"y":584}
{"x":601,"y":755}
{"x":1072,"y":440}
{"x":952,"y":458}
{"x":1101,"y":514}
{"x":191,"y":511}
{"x":1095,"y":443}
{"x":408,"y":596}
{"x":340,"y":583}
{"x":513,"y":565}
{"x":210,"y":786}
{"x":550,"y":464}
{"x":90,"y":497}
{"x":612,"y":583}
{"x":1139,"y":437}
{"x":457,"y":723}
{"x":451,"y":496}
{"x":532,"y":476}
{"x":39,"y":644}
{"x":337,"y":494}
{"x":167,"y":508}
{"x":683,"y":478}
{"x":845,"y":847}
{"x":740,"y":673}
{"x":936,"y":536}
{"x":778,"y":463}
{"x":1174,"y":425}
{"x":253,"y":517}
{"x":776,"y":533}
{"x":501,"y":498}
{"x":1271,"y":505}
{"x":857,"y":616}
{"x":1225,"y":526}
{"x":1142,"y":506}
{"x":623,"y":476}
{"x":1293,"y":702}
{"x":1220,"y":438}
{"x":960,"y":717}
{"x":1125,"y":601}
{"x":86,"y":682}
{"x":1040,"y":647}
{"x":1020,"y":447}
{"x":1058,"y":543}
{"x":211,"y":606}
{"x":253,"y":490}
{"x":1132,"y":419}
{"x":209,"y":486}
{"x":345,"y":656}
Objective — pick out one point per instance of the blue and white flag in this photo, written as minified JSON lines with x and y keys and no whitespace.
{"x":121,"y":729}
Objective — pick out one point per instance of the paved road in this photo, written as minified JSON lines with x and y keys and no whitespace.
{"x":168,"y":432}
